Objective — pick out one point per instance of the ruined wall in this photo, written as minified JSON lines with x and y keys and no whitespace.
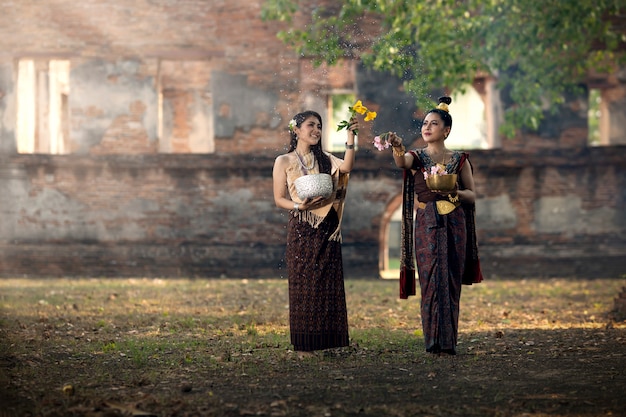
{"x":559,"y":214}
{"x":145,"y":76}
{"x":204,"y":76}
{"x":137,"y":216}
{"x":551,"y":213}
{"x":175,"y":113}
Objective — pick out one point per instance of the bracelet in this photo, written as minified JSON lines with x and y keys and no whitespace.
{"x":454,"y":199}
{"x":349,"y":146}
{"x":296,"y":207}
{"x":399,"y":151}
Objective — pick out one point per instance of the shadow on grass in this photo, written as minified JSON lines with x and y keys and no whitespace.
{"x":85,"y":348}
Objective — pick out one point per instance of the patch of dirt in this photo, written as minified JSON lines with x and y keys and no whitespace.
{"x":221,"y":348}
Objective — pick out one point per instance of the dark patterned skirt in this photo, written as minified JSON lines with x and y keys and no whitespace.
{"x":440,"y":257}
{"x":318,"y":317}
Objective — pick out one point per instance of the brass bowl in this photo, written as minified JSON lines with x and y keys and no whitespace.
{"x":444,"y":183}
{"x":314,"y":185}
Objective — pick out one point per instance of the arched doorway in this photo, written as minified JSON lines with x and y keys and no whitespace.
{"x":389,"y":239}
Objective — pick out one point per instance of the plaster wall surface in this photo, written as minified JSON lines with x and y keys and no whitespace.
{"x":176,"y":111}
{"x":205,"y":216}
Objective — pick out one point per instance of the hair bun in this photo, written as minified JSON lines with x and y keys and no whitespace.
{"x":443,"y":104}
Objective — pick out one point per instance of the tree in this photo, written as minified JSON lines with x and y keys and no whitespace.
{"x":537,"y":50}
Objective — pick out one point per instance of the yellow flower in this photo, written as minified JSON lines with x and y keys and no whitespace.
{"x":359,"y":107}
{"x":371,"y":115}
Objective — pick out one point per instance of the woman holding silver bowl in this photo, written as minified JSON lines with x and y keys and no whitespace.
{"x":311,"y":184}
{"x":439,"y":188}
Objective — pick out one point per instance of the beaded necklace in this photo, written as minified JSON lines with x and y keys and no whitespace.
{"x":307,"y":168}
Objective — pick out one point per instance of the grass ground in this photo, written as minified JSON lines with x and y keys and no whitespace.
{"x":161,"y":347}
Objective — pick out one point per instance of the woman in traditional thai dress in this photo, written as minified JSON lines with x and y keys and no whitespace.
{"x":445,"y":241}
{"x":318,"y":316}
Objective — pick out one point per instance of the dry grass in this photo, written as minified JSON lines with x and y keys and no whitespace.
{"x":221,"y":347}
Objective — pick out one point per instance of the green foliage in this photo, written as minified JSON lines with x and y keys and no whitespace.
{"x":538,"y":50}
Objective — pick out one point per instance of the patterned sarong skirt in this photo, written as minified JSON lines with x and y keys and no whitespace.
{"x":318,"y":316}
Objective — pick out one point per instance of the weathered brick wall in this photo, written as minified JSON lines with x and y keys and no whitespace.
{"x":223,"y":78}
{"x":137,"y":215}
{"x":171,"y":29}
{"x":155,"y":80}
{"x":557,"y":214}
{"x":202,"y":76}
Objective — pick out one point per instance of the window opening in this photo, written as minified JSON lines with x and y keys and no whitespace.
{"x":594,"y":116}
{"x":185,"y":107}
{"x":469,"y":128}
{"x":43,"y":106}
{"x":391,"y":243}
{"x":338,"y":104}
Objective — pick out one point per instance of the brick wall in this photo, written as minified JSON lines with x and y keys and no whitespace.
{"x":200,"y":76}
{"x":538,"y":215}
{"x":176,"y":111}
{"x":169,"y":76}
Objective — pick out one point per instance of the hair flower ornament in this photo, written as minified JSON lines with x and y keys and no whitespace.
{"x":359,"y":108}
{"x":291,"y":124}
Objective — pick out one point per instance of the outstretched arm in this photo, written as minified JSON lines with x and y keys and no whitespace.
{"x":401,"y":157}
{"x":348,"y":159}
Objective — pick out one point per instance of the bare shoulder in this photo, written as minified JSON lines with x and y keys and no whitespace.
{"x":283,"y":160}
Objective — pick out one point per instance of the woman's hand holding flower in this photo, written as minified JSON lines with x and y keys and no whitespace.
{"x":353,"y":126}
{"x":386,"y":140}
{"x":359,"y":108}
{"x":394,"y":140}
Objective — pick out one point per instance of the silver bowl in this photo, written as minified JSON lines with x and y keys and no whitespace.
{"x":314,"y":185}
